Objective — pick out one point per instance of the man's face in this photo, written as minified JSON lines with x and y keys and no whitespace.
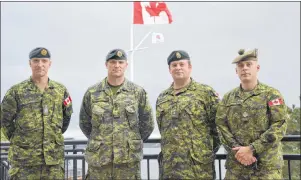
{"x":116,"y":68}
{"x":39,"y":66}
{"x":247,"y":70}
{"x":180,"y":70}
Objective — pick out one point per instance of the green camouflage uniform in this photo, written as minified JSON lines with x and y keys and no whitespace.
{"x":34,"y":122}
{"x":189,"y":138}
{"x":258,"y":118}
{"x":116,"y":126}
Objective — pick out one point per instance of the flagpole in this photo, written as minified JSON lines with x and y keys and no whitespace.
{"x":132,"y":46}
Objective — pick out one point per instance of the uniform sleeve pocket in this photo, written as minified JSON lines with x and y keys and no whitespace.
{"x":13,"y":172}
{"x":59,"y":141}
{"x":201,"y":157}
{"x":135,"y":151}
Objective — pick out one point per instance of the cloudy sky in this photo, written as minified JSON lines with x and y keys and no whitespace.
{"x":80,"y":34}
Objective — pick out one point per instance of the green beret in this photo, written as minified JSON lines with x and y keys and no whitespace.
{"x":177,"y":55}
{"x":39,"y":52}
{"x":245,"y":55}
{"x":117,"y":54}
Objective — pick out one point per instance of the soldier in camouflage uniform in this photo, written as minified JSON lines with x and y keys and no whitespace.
{"x":186,"y":118}
{"x":116,"y":117}
{"x":34,"y":115}
{"x":251,"y":120}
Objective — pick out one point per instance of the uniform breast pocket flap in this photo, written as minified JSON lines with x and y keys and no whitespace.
{"x":97,"y":110}
{"x":131,"y":115}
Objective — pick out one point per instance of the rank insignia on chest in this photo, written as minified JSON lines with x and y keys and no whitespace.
{"x":45,"y":110}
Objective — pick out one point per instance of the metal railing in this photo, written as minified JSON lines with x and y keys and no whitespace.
{"x":73,"y":153}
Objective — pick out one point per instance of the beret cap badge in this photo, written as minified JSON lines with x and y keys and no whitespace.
{"x":178,"y":55}
{"x":44,"y":52}
{"x":119,"y":53}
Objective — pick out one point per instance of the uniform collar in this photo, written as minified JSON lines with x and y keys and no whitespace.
{"x":257,"y":90}
{"x":32,"y":85}
{"x":190,"y":86}
{"x":104,"y":85}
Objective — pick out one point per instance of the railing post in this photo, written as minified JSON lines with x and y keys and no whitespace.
{"x":74,"y":164}
{"x":2,"y":172}
{"x":148,"y":171}
{"x":219,"y":169}
{"x":289,"y":169}
{"x":83,"y":169}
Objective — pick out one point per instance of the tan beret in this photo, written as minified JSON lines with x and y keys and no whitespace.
{"x":245,"y":55}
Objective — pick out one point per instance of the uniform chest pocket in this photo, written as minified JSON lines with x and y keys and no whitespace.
{"x":257,"y":110}
{"x":164,"y":108}
{"x":56,"y":113}
{"x":234,"y":115}
{"x":27,"y":118}
{"x":97,"y":115}
{"x":165,"y":111}
{"x":132,"y":116}
{"x":197,"y":116}
{"x":259,"y":116}
{"x":163,"y":118}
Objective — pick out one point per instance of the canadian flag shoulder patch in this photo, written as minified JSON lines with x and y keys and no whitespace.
{"x":67,"y":101}
{"x":276,"y":102}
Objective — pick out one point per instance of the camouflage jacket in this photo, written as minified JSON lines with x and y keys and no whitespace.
{"x":34,"y":122}
{"x":115,"y":125}
{"x":245,"y":118}
{"x":186,"y":123}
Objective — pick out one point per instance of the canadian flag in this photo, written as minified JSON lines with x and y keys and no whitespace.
{"x":276,"y":102}
{"x":151,"y":13}
{"x":157,"y":38}
{"x":67,"y":101}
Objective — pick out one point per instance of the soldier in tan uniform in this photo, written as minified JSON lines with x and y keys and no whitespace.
{"x":186,"y":119}
{"x":116,"y":117}
{"x":34,"y":115}
{"x":252,"y":120}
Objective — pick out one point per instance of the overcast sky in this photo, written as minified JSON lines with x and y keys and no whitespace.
{"x":80,"y":34}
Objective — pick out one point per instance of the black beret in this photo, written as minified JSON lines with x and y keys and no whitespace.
{"x":177,"y":55}
{"x":39,"y":52}
{"x":117,"y":54}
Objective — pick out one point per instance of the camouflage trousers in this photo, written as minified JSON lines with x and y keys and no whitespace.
{"x":180,"y":170}
{"x":115,"y":171}
{"x":250,"y":174}
{"x":39,"y":172}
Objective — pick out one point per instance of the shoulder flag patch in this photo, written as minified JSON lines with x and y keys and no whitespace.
{"x":276,"y":102}
{"x":67,"y":101}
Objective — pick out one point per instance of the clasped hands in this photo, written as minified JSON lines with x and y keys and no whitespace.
{"x":244,"y":155}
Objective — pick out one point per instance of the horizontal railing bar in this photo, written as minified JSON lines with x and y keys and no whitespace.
{"x":290,"y":138}
{"x":287,"y":138}
{"x":155,"y":156}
